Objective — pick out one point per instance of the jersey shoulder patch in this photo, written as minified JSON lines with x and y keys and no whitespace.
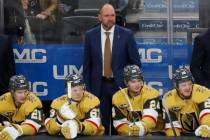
{"x":89,"y":101}
{"x":5,"y":99}
{"x":7,"y":104}
{"x":200,"y":93}
{"x":32,"y":102}
{"x":169,"y":99}
{"x":58,"y":102}
{"x":149,"y":92}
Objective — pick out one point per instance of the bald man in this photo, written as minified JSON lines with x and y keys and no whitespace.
{"x":105,"y":56}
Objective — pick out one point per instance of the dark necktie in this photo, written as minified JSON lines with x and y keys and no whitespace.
{"x":107,"y":57}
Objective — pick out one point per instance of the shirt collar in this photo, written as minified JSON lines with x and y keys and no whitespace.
{"x":111,"y":30}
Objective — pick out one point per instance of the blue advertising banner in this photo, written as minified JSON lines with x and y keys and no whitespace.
{"x":152,"y":40}
{"x":47,"y":65}
{"x":147,"y":25}
{"x":155,"y":5}
{"x":183,"y":25}
{"x":179,"y":6}
{"x":159,"y":41}
{"x":179,"y":41}
{"x":186,"y":6}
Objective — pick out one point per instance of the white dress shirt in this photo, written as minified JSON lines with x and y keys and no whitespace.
{"x":103,"y":39}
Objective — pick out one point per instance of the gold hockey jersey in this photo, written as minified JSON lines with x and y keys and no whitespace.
{"x":87,"y":113}
{"x":187,"y":114}
{"x":143,"y":107}
{"x":29,"y":115}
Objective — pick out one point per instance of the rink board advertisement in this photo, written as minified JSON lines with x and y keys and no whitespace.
{"x":47,"y":65}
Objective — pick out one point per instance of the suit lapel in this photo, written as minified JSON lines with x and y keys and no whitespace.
{"x":115,"y":42}
{"x":98,"y":43}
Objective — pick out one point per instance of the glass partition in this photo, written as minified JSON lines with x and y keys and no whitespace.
{"x":152,"y":21}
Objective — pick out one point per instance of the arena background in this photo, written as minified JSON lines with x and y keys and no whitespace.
{"x":164,"y":31}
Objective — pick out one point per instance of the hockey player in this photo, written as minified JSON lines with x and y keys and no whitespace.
{"x":188,"y":105}
{"x":76,"y":112}
{"x":135,"y":108}
{"x":20,"y":110}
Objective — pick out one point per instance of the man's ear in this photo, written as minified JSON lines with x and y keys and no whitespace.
{"x":126,"y":83}
{"x":99,"y":17}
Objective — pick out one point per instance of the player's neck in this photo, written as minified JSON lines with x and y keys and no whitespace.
{"x":133,"y":94}
{"x":17,"y":104}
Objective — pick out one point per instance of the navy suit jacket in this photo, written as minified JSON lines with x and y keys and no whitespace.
{"x":124,"y":52}
{"x":200,"y":61}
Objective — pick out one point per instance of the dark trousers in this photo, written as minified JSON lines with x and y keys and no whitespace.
{"x":108,"y":88}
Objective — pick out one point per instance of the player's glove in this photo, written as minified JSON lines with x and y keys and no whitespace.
{"x":52,"y":126}
{"x":136,"y":129}
{"x":66,"y":111}
{"x":203,"y":131}
{"x":11,"y":132}
{"x":70,"y":129}
{"x":4,"y":124}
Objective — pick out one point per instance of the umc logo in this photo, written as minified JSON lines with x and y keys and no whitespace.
{"x":30,"y":56}
{"x":39,"y":88}
{"x":60,"y":72}
{"x":151,"y":55}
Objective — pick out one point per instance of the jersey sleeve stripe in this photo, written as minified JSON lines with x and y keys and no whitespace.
{"x":117,"y":127}
{"x":203,"y":116}
{"x":204,"y":113}
{"x":150,"y":113}
{"x":179,"y":129}
{"x":47,"y":121}
{"x":92,"y":122}
{"x":117,"y":123}
{"x":151,"y":117}
{"x":32,"y":123}
{"x":97,"y":121}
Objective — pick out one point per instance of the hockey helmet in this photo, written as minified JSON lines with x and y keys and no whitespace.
{"x":71,"y":81}
{"x":18,"y":82}
{"x":132,"y":72}
{"x":74,"y":79}
{"x":182,"y":75}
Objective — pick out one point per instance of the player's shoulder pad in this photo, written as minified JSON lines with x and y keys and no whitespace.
{"x":32,"y":102}
{"x":149,"y":92}
{"x":58,"y":102}
{"x":5,"y":97}
{"x":89,"y":101}
{"x":119,"y":96}
{"x":200,"y":93}
{"x":5,"y":101}
{"x":169,"y":98}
